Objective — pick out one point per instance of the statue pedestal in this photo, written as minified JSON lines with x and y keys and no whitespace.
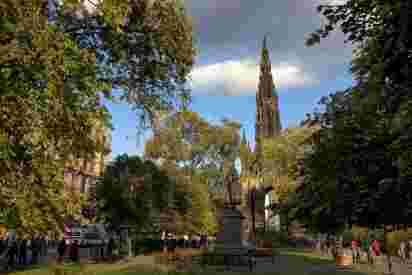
{"x":229,"y":239}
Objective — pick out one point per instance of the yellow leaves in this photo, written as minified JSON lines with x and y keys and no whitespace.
{"x":115,"y":12}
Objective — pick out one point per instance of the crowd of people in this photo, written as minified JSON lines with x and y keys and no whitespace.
{"x":21,"y":252}
{"x":359,"y":249}
{"x":171,"y":242}
{"x":365,"y":248}
{"x":18,"y":253}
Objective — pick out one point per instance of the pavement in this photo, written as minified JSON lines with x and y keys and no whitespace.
{"x":285,"y":264}
{"x":398,"y":268}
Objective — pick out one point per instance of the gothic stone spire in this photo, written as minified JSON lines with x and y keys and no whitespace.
{"x":267,"y":109}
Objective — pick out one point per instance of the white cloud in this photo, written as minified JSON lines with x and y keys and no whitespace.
{"x":333,"y":2}
{"x":241,"y":77}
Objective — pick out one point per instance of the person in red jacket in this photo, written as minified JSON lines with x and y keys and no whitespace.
{"x":355,"y":252}
{"x":376,"y":247}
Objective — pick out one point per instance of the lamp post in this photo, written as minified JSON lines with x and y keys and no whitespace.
{"x":254,"y":167}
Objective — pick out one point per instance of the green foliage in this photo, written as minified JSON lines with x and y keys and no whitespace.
{"x":199,"y":155}
{"x":48,"y":99}
{"x":188,"y":141}
{"x":52,"y":78}
{"x":281,"y":160}
{"x":144,"y":49}
{"x":273,"y":238}
{"x":129,"y":191}
{"x":358,"y":170}
{"x":201,"y":214}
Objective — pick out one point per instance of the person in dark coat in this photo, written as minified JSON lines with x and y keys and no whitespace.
{"x":172,"y":244}
{"x":74,"y":251}
{"x":23,"y":252}
{"x":35,"y":251}
{"x":3,"y":246}
{"x":61,"y":249}
{"x":11,"y":255}
{"x":110,"y":247}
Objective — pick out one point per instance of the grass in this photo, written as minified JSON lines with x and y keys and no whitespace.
{"x":289,"y":262}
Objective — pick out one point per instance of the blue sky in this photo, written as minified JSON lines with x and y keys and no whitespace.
{"x":224,"y":80}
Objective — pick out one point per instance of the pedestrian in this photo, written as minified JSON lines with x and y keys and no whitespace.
{"x":11,"y":255}
{"x":186,"y":241}
{"x":376,"y":248}
{"x":327,"y":247}
{"x":402,"y":251}
{"x":23,"y":252}
{"x":172,"y":244}
{"x":110,"y":247}
{"x":365,"y":248}
{"x":324,"y":247}
{"x":34,"y":250}
{"x":385,"y":251}
{"x":355,"y":256}
{"x":407,"y":249}
{"x":2,"y":246}
{"x":74,"y":251}
{"x":371,"y":254}
{"x":61,"y":249}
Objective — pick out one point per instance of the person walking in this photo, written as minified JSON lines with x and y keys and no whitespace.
{"x":34,"y":251}
{"x":173,"y":244}
{"x":376,"y":248}
{"x":74,"y":251}
{"x":365,"y":248}
{"x":358,"y":250}
{"x":23,"y":252}
{"x":3,"y":246}
{"x":409,"y":250}
{"x":61,"y":249}
{"x":11,"y":255}
{"x":371,"y":254}
{"x":110,"y":247}
{"x":186,"y":241}
{"x":355,"y":251}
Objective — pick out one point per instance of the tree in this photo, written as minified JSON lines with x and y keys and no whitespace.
{"x":48,"y":99}
{"x":199,"y":155}
{"x":365,"y":130}
{"x":144,"y":49}
{"x":382,"y":69}
{"x":201,"y":216}
{"x":193,"y":144}
{"x":53,"y":73}
{"x":281,"y":157}
{"x":130,"y":190}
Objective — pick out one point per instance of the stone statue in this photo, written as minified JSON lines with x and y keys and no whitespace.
{"x":229,"y":238}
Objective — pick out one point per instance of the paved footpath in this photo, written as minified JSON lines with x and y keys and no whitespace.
{"x":398,"y":268}
{"x":286,"y":264}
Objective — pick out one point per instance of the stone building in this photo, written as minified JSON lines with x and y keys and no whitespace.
{"x":267,"y":125}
